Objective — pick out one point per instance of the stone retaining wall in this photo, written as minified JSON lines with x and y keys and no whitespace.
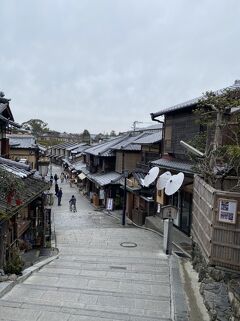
{"x":220,"y":288}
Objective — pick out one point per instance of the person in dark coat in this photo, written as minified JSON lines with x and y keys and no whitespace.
{"x":56,"y":189}
{"x":59,"y":196}
{"x":72,"y":203}
{"x":55,"y":178}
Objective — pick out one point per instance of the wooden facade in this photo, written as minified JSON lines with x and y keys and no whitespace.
{"x":179,"y":125}
{"x":30,"y":154}
{"x":127,"y":160}
{"x":219,"y":241}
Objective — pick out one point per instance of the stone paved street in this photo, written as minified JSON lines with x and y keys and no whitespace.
{"x":95,"y":278}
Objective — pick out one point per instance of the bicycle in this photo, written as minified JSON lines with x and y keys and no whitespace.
{"x":73,"y":208}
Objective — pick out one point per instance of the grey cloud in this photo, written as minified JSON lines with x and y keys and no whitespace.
{"x":103,"y":64}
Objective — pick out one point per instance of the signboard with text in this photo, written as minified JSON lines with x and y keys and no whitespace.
{"x":227,"y":211}
{"x":109,"y":205}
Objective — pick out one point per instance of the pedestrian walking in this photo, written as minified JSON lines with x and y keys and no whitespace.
{"x":71,"y":181}
{"x":59,"y":196}
{"x":51,"y":180}
{"x":62,"y":177}
{"x":66,"y":177}
{"x":55,"y":178}
{"x":56,"y":189}
{"x":72,"y":204}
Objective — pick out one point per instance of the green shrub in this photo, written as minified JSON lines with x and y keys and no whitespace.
{"x":14,"y":265}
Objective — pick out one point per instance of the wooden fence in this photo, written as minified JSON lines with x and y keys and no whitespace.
{"x":213,"y":225}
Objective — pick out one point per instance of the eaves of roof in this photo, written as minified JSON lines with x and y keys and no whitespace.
{"x":103,"y":179}
{"x":12,"y":163}
{"x":62,"y":145}
{"x":79,"y":165}
{"x":174,"y":164}
{"x":75,"y":146}
{"x":79,"y":149}
{"x":104,"y":149}
{"x":23,"y":142}
{"x":10,"y":122}
{"x":150,"y":138}
{"x":192,"y":102}
{"x":22,"y":173}
{"x":85,"y":171}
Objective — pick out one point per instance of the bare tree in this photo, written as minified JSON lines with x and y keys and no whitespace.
{"x":220,"y":134}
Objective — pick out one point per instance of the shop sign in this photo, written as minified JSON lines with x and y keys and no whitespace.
{"x":109,"y":206}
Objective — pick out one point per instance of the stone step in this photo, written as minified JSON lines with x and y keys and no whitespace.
{"x":145,"y":268}
{"x":37,"y":290}
{"x":26,"y":311}
{"x":111,"y":272}
{"x":121,"y":277}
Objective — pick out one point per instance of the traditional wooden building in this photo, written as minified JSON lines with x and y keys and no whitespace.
{"x":6,"y":122}
{"x":181,"y":123}
{"x":134,"y":156}
{"x":58,"y":152}
{"x":24,"y":221}
{"x":24,"y":148}
{"x":101,"y":184}
{"x":22,"y":217}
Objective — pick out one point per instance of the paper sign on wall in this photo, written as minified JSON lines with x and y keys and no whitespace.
{"x":227,"y":211}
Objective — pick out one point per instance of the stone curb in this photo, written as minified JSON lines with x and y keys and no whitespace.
{"x":5,"y":287}
{"x":179,"y":308}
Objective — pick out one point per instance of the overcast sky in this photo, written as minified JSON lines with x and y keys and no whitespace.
{"x":102,"y":64}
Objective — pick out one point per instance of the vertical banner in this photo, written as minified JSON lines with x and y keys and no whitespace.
{"x":109,"y":205}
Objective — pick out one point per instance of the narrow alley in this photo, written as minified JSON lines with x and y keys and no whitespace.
{"x":95,"y":277}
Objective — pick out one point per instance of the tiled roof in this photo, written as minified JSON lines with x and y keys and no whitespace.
{"x":105,"y":148}
{"x":42,"y":148}
{"x":9,"y":121}
{"x":16,"y":171}
{"x":79,"y":165}
{"x":150,"y":138}
{"x":79,"y":149}
{"x":33,"y":188}
{"x":78,"y":154}
{"x":174,"y":164}
{"x":65,"y":160}
{"x":192,"y":102}
{"x":151,"y":128}
{"x":75,"y":146}
{"x":128,"y":143}
{"x":85,"y":171}
{"x":63,"y":145}
{"x":6,"y":114}
{"x":22,"y":141}
{"x":104,"y":179}
{"x":12,"y":163}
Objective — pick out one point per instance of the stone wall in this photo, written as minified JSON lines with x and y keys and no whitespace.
{"x":220,"y":288}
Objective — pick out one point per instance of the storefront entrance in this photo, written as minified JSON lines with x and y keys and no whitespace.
{"x":183,"y":201}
